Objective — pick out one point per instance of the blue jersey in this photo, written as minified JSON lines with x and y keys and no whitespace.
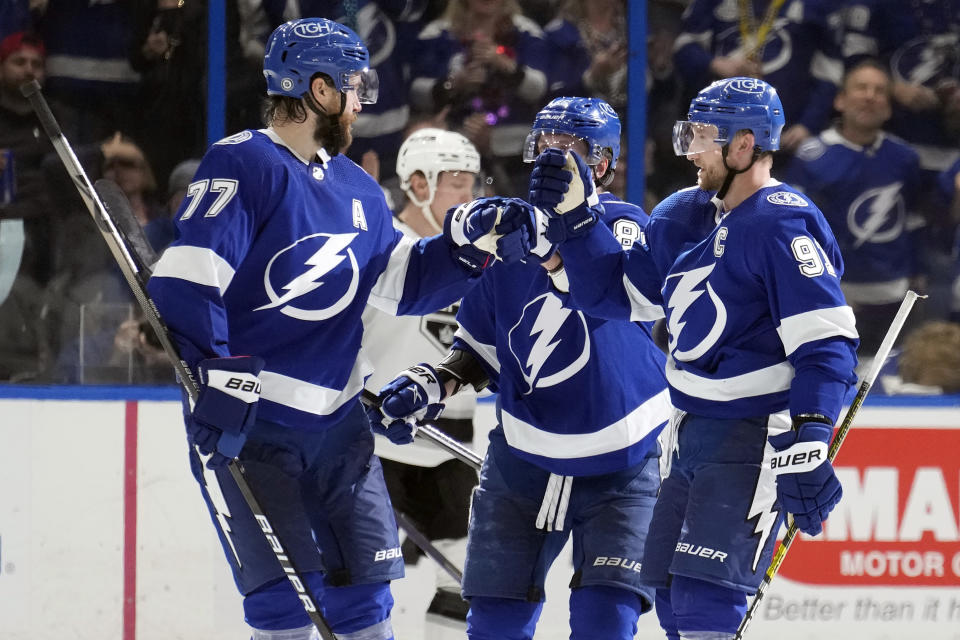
{"x":918,"y":41}
{"x":800,"y":56}
{"x":869,"y":196}
{"x":752,"y":299}
{"x":440,"y":53}
{"x":277,"y":257}
{"x":578,"y":395}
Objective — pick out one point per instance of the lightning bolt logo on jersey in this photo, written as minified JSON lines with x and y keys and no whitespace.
{"x":868,"y":195}
{"x":278,"y":256}
{"x":551,"y":366}
{"x":877,"y":216}
{"x":732,"y":338}
{"x":333,"y":266}
{"x":547,"y":329}
{"x":689,"y":287}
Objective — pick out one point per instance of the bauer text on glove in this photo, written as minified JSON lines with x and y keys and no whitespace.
{"x":226,"y":407}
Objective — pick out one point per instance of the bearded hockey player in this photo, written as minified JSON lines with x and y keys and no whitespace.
{"x":761,"y":352}
{"x":282,"y":242}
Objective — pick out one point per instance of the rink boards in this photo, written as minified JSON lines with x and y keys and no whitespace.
{"x":103,"y":533}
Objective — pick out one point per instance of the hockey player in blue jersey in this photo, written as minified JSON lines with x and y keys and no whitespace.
{"x":282,"y":241}
{"x":868,"y":184}
{"x":581,"y":403}
{"x":761,"y":351}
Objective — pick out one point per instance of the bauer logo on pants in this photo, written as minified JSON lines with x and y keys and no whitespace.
{"x":387,"y":554}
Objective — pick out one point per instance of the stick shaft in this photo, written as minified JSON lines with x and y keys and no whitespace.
{"x":428,"y":548}
{"x":129,"y":268}
{"x":454,"y":447}
{"x":883,"y":352}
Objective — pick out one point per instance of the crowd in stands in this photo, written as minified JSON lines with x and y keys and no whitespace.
{"x":871,"y":90}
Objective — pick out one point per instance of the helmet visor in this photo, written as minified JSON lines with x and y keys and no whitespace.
{"x":695,"y":137}
{"x":540,"y":139}
{"x":365,"y":82}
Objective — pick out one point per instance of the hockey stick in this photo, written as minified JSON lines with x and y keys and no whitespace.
{"x":882,"y":353}
{"x":133,"y":271}
{"x":434,"y":435}
{"x":427,"y":547}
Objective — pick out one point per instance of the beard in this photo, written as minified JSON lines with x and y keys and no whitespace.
{"x":711,"y":178}
{"x":333,"y":133}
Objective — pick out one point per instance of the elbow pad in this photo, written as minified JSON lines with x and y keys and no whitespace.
{"x":462,"y":367}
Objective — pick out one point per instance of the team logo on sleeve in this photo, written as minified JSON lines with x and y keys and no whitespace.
{"x":550,"y":343}
{"x":693,"y":334}
{"x":313,"y":279}
{"x":787,"y":199}
{"x":236,"y":138}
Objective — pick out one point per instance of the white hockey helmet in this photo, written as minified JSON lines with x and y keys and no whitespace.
{"x":432,"y":151}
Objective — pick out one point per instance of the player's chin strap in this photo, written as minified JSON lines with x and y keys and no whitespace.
{"x":425,"y":209}
{"x":336,"y":143}
{"x":731,"y":172}
{"x":553,"y":509}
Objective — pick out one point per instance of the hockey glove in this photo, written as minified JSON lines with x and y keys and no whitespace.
{"x":562,"y":183}
{"x":226,"y":407}
{"x":411,"y":397}
{"x":807,"y":486}
{"x":487,"y":228}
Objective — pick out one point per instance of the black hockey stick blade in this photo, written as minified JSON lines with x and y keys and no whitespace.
{"x":454,"y":447}
{"x":119,"y":210}
{"x":124,"y":253}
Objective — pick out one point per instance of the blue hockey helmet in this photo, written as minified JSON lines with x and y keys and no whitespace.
{"x":300,"y":48}
{"x":590,"y":119}
{"x":729,"y":106}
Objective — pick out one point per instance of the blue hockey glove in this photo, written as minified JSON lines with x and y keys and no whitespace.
{"x":412,"y":396}
{"x":501,"y":228}
{"x":807,"y":486}
{"x":226,"y":407}
{"x":562,"y":183}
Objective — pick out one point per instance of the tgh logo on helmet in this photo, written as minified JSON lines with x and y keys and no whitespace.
{"x":746,"y":85}
{"x":312,"y":29}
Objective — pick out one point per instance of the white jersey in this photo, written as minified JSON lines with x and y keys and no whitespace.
{"x":394,"y":343}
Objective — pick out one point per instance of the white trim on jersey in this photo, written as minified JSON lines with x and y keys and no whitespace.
{"x":826,"y":68}
{"x":312,"y":398}
{"x":486,"y":351}
{"x":195,"y":264}
{"x":818,"y":324}
{"x":641,"y":309}
{"x":868,"y":293}
{"x":89,"y":68}
{"x":701,"y":38}
{"x":627,"y":431}
{"x":761,"y":382}
{"x":388,"y":289}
